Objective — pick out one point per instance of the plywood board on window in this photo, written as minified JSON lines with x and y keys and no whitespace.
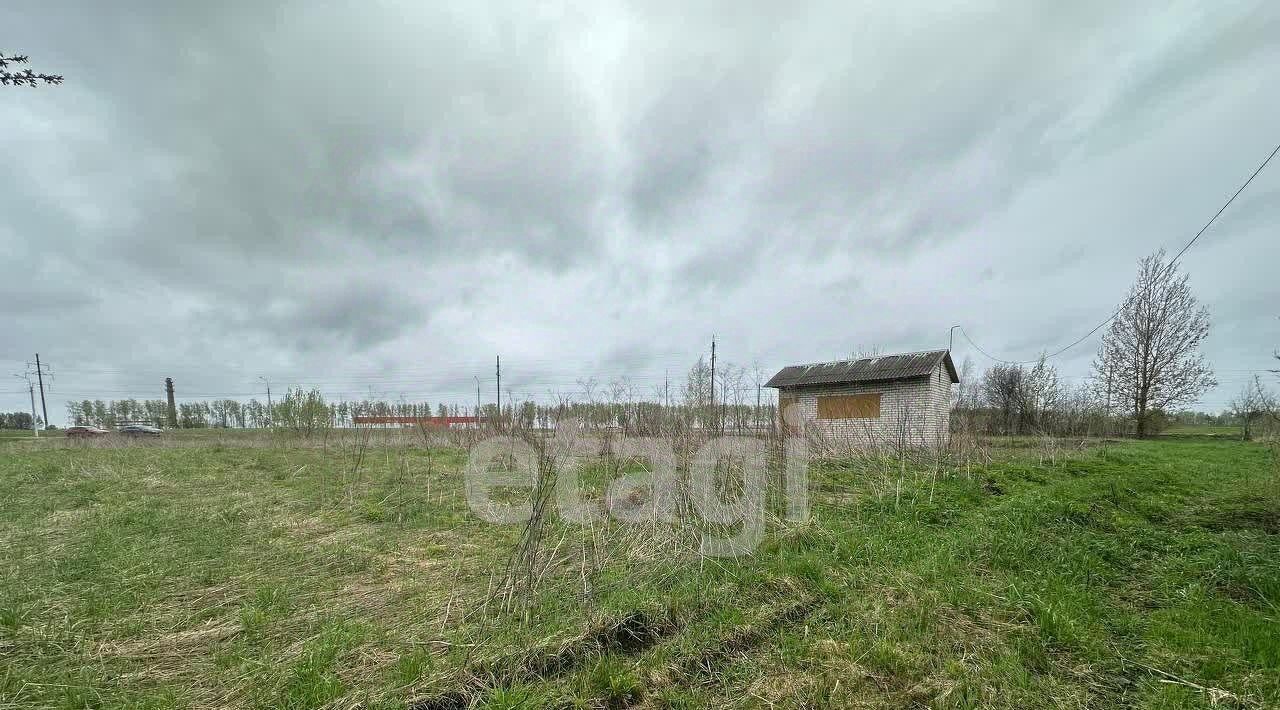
{"x":784,"y":401}
{"x":849,"y":406}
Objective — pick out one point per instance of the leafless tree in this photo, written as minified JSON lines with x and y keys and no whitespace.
{"x":617,"y":387}
{"x":697,"y":391}
{"x":729,"y":402}
{"x":757,"y":379}
{"x":1000,"y":390}
{"x":1151,"y":352}
{"x":1041,"y":392}
{"x":25,"y":77}
{"x":1020,"y":397}
{"x":1254,"y":403}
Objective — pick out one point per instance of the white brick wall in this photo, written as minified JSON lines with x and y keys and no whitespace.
{"x":914,"y":413}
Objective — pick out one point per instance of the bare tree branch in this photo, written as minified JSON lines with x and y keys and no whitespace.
{"x":24,"y":77}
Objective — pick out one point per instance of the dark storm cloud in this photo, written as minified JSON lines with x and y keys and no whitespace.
{"x":273,"y":125}
{"x":348,"y":316}
{"x":236,"y":144}
{"x":344,"y":187}
{"x":894,"y":145}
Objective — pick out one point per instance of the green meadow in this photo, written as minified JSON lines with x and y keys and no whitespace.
{"x":270,"y":572}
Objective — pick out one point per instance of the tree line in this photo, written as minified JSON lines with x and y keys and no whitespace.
{"x":299,"y":408}
{"x":734,"y":401}
{"x":1148,"y":369}
{"x":15,"y":420}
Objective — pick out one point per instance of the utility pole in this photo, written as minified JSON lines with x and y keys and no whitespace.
{"x":40,"y":377}
{"x":270,"y":413}
{"x":477,"y":401}
{"x":173,"y":409}
{"x":951,"y":337}
{"x":31,"y":391}
{"x":499,"y":387}
{"x":712,"y":389}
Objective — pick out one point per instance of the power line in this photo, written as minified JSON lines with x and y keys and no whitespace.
{"x":1170,"y":265}
{"x":1228,"y":204}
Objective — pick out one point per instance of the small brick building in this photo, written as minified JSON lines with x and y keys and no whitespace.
{"x":889,"y":400}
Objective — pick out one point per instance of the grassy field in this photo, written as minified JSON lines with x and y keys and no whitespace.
{"x":1211,"y":431}
{"x":16,"y":434}
{"x":255,"y":572}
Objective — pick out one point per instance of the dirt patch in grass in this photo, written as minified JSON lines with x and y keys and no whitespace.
{"x":628,"y":634}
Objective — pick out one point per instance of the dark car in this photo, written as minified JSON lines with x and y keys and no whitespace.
{"x":137,"y":430}
{"x":85,"y":432}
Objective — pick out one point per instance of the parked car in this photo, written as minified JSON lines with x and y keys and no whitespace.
{"x":85,"y":432}
{"x":137,"y":430}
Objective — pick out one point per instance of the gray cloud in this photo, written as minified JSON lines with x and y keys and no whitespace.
{"x":349,"y":317}
{"x":350,"y":193}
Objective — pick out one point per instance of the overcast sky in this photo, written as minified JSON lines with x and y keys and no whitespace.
{"x":377,"y":197}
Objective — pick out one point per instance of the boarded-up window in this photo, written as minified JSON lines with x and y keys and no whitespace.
{"x":784,"y":401}
{"x":849,"y":406}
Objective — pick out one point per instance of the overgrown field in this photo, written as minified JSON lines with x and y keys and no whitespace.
{"x":270,"y":573}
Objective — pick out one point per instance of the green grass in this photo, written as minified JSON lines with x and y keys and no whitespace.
{"x":213,"y":574}
{"x":1212,"y":431}
{"x":6,"y":434}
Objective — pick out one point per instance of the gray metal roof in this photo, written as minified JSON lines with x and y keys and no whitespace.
{"x":869,"y":369}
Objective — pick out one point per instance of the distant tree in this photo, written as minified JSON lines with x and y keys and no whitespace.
{"x":1252,"y":404}
{"x":15,"y":420}
{"x":1043,"y":390}
{"x":528,"y":414}
{"x":25,"y":77}
{"x":731,"y":379}
{"x":156,"y":410}
{"x":102,"y":415}
{"x":1019,"y":398}
{"x":1151,"y":353}
{"x":193,"y":415}
{"x":1001,"y":392}
{"x":305,"y":412}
